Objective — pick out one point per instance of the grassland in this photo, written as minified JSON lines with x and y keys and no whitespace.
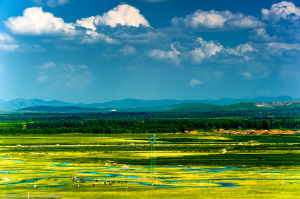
{"x":205,"y":165}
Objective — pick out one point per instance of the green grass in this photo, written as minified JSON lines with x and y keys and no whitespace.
{"x":246,"y":106}
{"x":194,"y":166}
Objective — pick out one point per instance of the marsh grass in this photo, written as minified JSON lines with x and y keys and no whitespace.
{"x":187,"y":166}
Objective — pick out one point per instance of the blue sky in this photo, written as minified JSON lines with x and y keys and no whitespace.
{"x":95,"y":51}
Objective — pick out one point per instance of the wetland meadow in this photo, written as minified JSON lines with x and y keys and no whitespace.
{"x":203,"y":165}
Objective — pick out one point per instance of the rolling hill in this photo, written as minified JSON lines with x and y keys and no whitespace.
{"x":64,"y":109}
{"x":137,"y":105}
{"x":244,"y":107}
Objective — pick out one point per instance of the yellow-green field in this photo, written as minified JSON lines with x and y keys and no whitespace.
{"x":205,"y":165}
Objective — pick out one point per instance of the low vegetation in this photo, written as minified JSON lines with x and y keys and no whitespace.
{"x":112,"y":158}
{"x":210,"y":164}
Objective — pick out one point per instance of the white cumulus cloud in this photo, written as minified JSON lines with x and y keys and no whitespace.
{"x":261,"y":33}
{"x":279,"y":47}
{"x":87,"y":23}
{"x":124,"y":15}
{"x":6,"y":38}
{"x":8,"y":47}
{"x":36,"y":22}
{"x":207,"y":49}
{"x":241,"y":50}
{"x":93,"y":37}
{"x":282,"y":10}
{"x":172,"y":55}
{"x":195,"y":82}
{"x":285,"y":46}
{"x":218,"y":19}
{"x":7,"y":43}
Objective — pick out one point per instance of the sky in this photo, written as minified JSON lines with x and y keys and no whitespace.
{"x":95,"y":51}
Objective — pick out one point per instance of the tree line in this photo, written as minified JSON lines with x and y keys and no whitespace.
{"x":269,"y":113}
{"x":118,"y":126}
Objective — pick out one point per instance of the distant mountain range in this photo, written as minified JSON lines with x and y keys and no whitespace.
{"x":63,"y":109}
{"x":38,"y":105}
{"x":242,"y":106}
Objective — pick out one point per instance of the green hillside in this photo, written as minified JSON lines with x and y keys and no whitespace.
{"x":194,"y":107}
{"x":64,"y":109}
{"x":244,"y":106}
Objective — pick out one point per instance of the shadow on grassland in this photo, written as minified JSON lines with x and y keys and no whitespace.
{"x":213,"y":160}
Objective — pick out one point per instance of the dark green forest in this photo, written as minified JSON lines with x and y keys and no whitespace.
{"x":261,"y":114}
{"x":118,"y":126}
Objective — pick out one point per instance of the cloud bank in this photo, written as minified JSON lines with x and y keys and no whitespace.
{"x":216,"y":20}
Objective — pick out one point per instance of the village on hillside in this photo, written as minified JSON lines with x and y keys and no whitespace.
{"x":277,"y":103}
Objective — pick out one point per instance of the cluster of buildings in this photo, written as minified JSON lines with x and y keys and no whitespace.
{"x":273,"y":104}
